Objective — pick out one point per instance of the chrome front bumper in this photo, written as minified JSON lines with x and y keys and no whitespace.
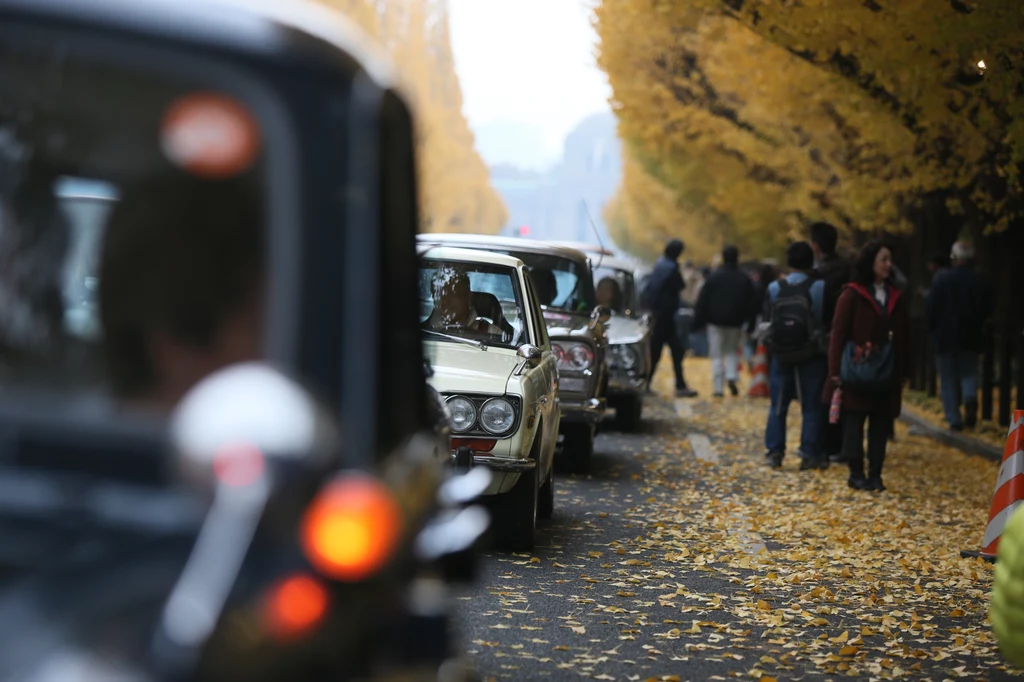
{"x":623,"y":384}
{"x":501,"y":465}
{"x":582,"y":411}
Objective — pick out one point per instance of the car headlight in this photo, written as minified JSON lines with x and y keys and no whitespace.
{"x":497,"y":416}
{"x":463,"y":414}
{"x":626,"y":357}
{"x":573,"y":355}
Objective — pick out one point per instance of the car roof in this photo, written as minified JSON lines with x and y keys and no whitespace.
{"x":510,"y":243}
{"x":585,"y":247}
{"x":468,"y":255}
{"x":265,"y":27}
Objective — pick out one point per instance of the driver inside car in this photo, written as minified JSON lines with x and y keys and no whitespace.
{"x":453,"y":305}
{"x":180,"y":285}
{"x":609,"y":294}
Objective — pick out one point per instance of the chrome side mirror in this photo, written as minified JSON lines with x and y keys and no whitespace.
{"x":249,"y":411}
{"x":530,"y":355}
{"x":602,"y":314}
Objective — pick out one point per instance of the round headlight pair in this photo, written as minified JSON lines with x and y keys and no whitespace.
{"x":496,"y":415}
{"x":576,"y":356}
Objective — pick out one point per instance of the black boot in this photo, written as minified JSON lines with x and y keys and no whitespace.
{"x":857,"y":480}
{"x":971,"y":414}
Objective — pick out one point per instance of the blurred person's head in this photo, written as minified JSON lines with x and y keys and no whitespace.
{"x":824,"y":238}
{"x":609,"y":293}
{"x":962,"y":253}
{"x":674,"y":249}
{"x":730,"y":255}
{"x":800,"y":256}
{"x":873,"y":264}
{"x":767,"y":274}
{"x":453,"y":298}
{"x":181,"y":281}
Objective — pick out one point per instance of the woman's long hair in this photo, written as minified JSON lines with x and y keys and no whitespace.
{"x":864,"y":266}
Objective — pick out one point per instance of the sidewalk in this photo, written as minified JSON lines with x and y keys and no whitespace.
{"x":883,"y":568}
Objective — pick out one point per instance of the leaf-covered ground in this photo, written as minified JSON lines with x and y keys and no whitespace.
{"x":681,"y":557}
{"x":929,"y":408}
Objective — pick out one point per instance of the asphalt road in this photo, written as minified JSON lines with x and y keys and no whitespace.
{"x":650,"y":570}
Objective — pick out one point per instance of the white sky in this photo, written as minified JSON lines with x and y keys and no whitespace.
{"x":530,"y":63}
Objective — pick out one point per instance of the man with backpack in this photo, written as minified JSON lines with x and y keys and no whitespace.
{"x":794,"y":309}
{"x":723,"y":307}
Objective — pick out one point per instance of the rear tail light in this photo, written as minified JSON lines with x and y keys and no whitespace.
{"x":295,"y":606}
{"x":352,"y":528}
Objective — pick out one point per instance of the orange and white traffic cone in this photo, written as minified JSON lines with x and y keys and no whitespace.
{"x":759,"y":373}
{"x":1009,"y":493}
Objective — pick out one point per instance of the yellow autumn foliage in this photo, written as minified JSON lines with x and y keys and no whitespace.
{"x":771,"y":114}
{"x":455,"y":190}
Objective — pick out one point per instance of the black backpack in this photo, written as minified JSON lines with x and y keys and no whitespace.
{"x":795,"y":335}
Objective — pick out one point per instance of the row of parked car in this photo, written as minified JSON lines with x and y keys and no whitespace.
{"x":529,"y":344}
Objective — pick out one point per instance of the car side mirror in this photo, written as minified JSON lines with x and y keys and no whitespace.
{"x":244,"y":417}
{"x":530,"y":355}
{"x":602,"y":314}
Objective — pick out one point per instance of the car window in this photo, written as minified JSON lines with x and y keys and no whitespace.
{"x":560,"y":283}
{"x":475,"y":301}
{"x":616,"y":289}
{"x":85,"y":144}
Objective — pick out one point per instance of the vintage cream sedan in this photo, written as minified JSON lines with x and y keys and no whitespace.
{"x":491,"y":362}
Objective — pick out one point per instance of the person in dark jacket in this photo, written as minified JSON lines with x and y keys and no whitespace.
{"x":870,"y":314}
{"x":836,"y":272}
{"x":724,"y":306}
{"x":766,"y":274}
{"x":802,"y":380}
{"x":958,"y":306}
{"x":661,"y":297}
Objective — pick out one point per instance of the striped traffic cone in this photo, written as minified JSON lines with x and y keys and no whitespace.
{"x":759,"y":373}
{"x":1009,"y":493}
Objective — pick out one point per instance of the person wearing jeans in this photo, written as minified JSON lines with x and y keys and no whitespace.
{"x":724,"y":306}
{"x":801,"y":381}
{"x":959,"y":304}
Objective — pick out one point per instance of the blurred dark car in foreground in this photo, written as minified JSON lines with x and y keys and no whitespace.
{"x":219,"y":459}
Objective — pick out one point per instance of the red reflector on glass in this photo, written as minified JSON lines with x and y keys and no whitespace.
{"x":238,"y":466}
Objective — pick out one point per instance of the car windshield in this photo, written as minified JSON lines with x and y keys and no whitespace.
{"x":561,"y":283}
{"x":95,"y":160}
{"x":616,"y":289}
{"x":474,"y":301}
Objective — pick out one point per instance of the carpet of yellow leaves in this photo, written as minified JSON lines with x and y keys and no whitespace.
{"x":881,"y":573}
{"x":930,"y":409}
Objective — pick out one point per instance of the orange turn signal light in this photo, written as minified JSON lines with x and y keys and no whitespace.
{"x":352,"y":528}
{"x":295,"y":605}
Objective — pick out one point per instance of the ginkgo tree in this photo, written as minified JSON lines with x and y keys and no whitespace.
{"x":456,"y":193}
{"x":817,"y":109}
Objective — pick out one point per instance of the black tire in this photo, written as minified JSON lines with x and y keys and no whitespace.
{"x":578,"y":447}
{"x":517,"y":514}
{"x":628,"y":412}
{"x":546,"y":497}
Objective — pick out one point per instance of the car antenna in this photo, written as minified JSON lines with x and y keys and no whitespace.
{"x":596,"y":232}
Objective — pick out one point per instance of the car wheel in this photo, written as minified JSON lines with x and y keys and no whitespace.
{"x":517,"y":513}
{"x":546,"y":501}
{"x":578,"y":447}
{"x":628,"y":411}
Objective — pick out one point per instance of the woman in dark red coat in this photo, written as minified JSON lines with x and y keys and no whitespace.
{"x":871,"y":310}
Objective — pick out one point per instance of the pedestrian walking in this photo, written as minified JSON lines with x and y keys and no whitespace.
{"x":661,"y":297}
{"x":959,"y":304}
{"x":724,"y":307}
{"x":794,"y":310}
{"x":868,"y":360}
{"x":836,"y":272}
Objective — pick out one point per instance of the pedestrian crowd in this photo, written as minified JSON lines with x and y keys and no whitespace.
{"x":836,"y":331}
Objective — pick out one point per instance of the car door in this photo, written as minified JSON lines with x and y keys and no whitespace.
{"x":544,"y":377}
